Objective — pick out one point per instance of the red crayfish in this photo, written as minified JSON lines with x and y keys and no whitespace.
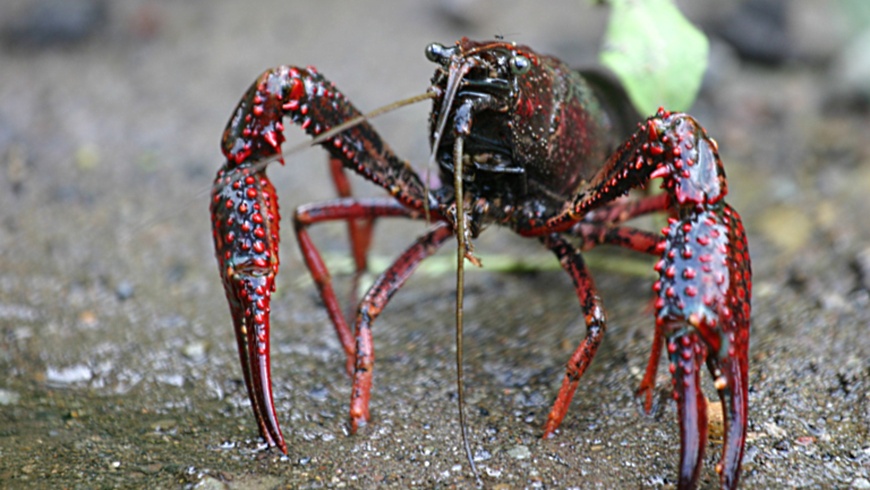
{"x":522,"y":141}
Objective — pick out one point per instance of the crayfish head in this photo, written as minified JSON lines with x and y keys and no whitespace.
{"x":476,"y":89}
{"x":535,"y":129}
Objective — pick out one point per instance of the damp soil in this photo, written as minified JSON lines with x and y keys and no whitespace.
{"x":115,"y":339}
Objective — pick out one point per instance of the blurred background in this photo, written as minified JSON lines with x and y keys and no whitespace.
{"x":116,"y":341}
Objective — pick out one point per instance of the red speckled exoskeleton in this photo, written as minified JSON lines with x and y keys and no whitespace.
{"x":533,"y":146}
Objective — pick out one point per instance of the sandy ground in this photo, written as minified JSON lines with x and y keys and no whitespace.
{"x":116,"y":341}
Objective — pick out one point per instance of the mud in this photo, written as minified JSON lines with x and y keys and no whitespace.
{"x":115,"y":337}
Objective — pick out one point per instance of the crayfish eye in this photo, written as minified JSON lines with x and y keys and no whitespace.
{"x":520,"y":65}
{"x":436,"y":53}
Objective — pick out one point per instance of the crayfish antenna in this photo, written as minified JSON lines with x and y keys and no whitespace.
{"x":460,"y":289}
{"x":327,"y":135}
{"x":454,"y":79}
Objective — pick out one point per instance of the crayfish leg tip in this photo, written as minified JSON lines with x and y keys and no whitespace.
{"x":644,"y":396}
{"x":356,"y":424}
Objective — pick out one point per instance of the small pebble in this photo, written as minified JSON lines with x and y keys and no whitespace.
{"x":68,"y":375}
{"x":519,"y":452}
{"x":482,"y":455}
{"x":176,"y":380}
{"x":124,"y":290}
{"x":860,"y":482}
{"x":88,"y":318}
{"x":151,"y":469}
{"x":8,"y":397}
{"x":210,"y":483}
{"x":715,"y":422}
{"x":195,"y":351}
{"x":164,"y":425}
{"x":319,"y":393}
{"x":806,"y":440}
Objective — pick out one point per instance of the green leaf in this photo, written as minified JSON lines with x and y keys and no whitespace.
{"x":658,"y":55}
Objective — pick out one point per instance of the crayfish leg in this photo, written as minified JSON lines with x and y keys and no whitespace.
{"x":596,"y":324}
{"x":351,"y":211}
{"x":359,"y":230}
{"x":648,"y":384}
{"x":371,"y":306}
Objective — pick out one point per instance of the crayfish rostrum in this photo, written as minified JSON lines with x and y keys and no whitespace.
{"x":521,"y":141}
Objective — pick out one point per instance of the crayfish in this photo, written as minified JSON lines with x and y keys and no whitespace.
{"x":520,"y":141}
